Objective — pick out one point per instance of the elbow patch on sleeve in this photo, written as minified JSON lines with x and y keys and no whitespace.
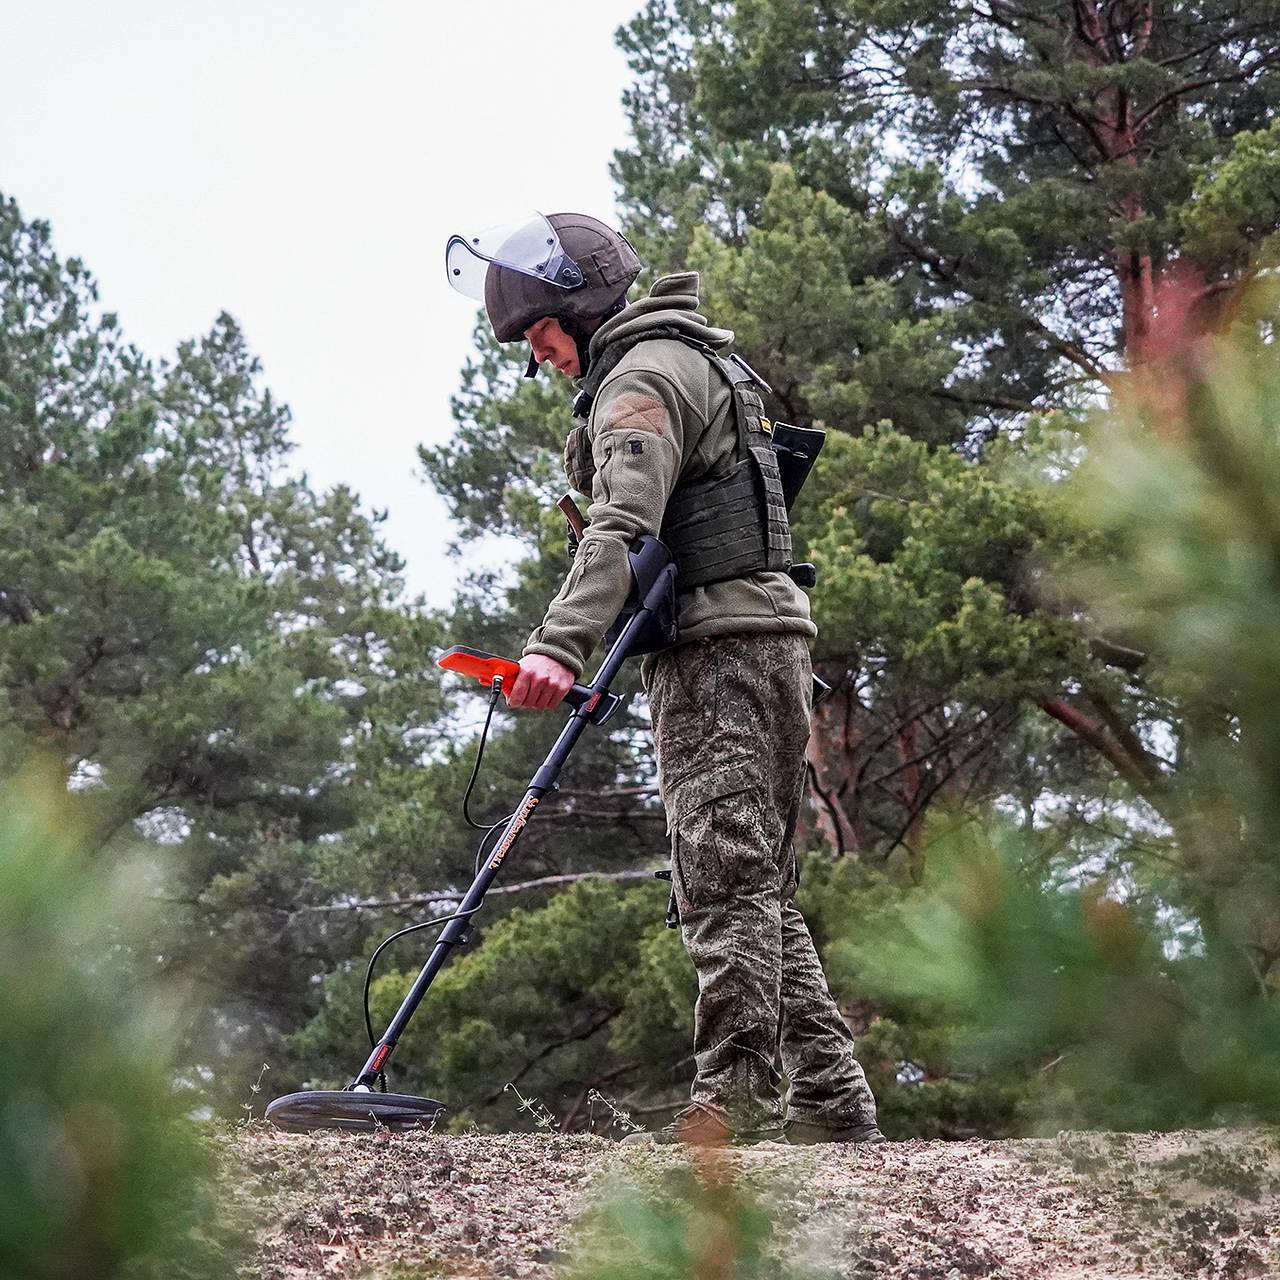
{"x":635,"y":411}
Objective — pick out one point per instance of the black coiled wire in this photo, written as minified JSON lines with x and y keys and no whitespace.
{"x":481,"y":853}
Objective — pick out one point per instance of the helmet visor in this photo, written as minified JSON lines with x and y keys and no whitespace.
{"x":531,"y":247}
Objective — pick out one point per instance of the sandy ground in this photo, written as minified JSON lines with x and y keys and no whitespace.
{"x":529,"y":1205}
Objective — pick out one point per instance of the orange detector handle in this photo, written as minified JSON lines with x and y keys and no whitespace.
{"x":477,"y":664}
{"x":486,"y":667}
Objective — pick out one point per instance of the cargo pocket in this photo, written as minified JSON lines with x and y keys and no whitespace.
{"x":719,"y":846}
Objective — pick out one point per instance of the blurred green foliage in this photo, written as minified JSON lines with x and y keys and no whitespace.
{"x":685,"y":1224}
{"x":101,"y":1175}
{"x":1078,"y":1007}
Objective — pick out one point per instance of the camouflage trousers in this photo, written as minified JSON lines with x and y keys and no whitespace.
{"x":731,"y":720}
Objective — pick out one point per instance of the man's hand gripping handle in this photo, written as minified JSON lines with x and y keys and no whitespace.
{"x":597,"y":704}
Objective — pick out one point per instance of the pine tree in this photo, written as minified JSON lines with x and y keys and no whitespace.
{"x":220,"y":656}
{"x":954,"y":221}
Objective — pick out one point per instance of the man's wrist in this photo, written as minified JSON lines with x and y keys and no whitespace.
{"x":563,"y":656}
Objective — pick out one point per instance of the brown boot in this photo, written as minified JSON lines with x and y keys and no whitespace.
{"x":806,"y":1133}
{"x":702,"y":1126}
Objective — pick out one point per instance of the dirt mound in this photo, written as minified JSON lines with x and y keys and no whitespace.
{"x":532,"y":1205}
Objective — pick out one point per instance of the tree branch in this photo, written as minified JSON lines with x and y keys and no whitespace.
{"x":1126,"y":737}
{"x":1095,"y":736}
{"x":602,"y":1019}
{"x":1205,"y":83}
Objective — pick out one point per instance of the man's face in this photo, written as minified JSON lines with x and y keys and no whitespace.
{"x":550,"y":343}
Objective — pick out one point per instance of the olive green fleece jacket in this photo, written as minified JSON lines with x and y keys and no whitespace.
{"x":664,"y":414}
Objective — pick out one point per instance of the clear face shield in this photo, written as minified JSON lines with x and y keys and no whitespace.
{"x":531,"y":247}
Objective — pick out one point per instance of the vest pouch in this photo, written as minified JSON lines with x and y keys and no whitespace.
{"x":714,"y":526}
{"x":579,"y":465}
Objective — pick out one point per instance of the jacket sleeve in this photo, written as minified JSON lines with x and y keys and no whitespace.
{"x":638,"y":426}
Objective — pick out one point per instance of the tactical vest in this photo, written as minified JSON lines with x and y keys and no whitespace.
{"x":725,"y":524}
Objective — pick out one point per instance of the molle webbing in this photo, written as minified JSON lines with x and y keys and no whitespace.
{"x":734,"y":523}
{"x":712,"y":527}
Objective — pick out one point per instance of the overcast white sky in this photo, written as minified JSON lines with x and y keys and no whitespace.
{"x":300,"y":163}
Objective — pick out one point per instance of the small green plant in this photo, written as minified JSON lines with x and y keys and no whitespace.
{"x":618,"y":1118}
{"x":101,"y":1176}
{"x":541,"y":1116}
{"x":250,"y":1105}
{"x":690,"y":1223}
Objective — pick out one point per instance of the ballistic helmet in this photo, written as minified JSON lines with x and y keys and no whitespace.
{"x":568,"y":266}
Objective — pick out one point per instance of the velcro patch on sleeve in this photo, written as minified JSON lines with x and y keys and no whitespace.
{"x":632,"y":411}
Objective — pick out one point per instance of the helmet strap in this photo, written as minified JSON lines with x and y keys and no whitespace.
{"x":582,"y":335}
{"x":581,"y":338}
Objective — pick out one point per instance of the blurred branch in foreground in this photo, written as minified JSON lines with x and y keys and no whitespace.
{"x":1135,"y":983}
{"x":100,"y":1174}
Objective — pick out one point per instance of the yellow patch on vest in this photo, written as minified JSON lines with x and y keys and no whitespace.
{"x":632,"y":411}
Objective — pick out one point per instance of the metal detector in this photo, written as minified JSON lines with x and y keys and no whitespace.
{"x":647,"y":623}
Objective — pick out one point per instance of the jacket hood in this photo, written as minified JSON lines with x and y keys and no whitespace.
{"x":672,"y":304}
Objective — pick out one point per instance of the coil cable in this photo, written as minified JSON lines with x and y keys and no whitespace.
{"x":481,"y":853}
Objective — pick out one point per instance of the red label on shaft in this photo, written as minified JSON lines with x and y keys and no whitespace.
{"x":381,"y":1056}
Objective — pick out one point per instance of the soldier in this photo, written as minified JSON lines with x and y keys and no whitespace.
{"x":669,"y":448}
